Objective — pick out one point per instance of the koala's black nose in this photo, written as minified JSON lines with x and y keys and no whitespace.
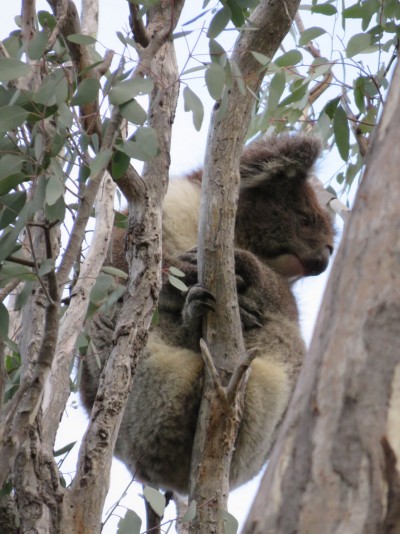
{"x":319,"y":262}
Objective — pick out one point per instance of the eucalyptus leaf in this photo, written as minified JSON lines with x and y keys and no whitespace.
{"x":357,"y":44}
{"x":114,"y":272}
{"x":100,"y":162}
{"x":293,"y":57}
{"x":144,"y":145}
{"x":219,"y":22}
{"x":190,"y":513}
{"x":37,"y":45}
{"x":46,"y":20}
{"x":155,"y":499}
{"x":176,"y":272}
{"x":81,"y":39}
{"x":54,"y":190}
{"x":231,"y":524}
{"x":87,"y":92}
{"x":261,"y":58}
{"x":4,"y":321}
{"x":11,"y":69}
{"x":12,"y":205}
{"x":65,"y":449}
{"x":324,"y":9}
{"x":55,"y":212}
{"x":10,"y":164}
{"x":119,"y":164}
{"x":217,"y":52}
{"x":11,"y":117}
{"x":310,"y":34}
{"x":129,"y":524}
{"x":125,"y":91}
{"x":342,"y":133}
{"x":133,"y":112}
{"x":193,"y":103}
{"x":176,"y":282}
{"x":215,"y":80}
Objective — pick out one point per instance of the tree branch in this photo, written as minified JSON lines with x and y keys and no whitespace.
{"x":220,"y":186}
{"x":22,"y":409}
{"x":329,"y":454}
{"x":144,"y":254}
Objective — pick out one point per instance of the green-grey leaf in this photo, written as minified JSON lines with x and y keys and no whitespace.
{"x":324,"y":9}
{"x":54,"y":190}
{"x":289,"y":58}
{"x":357,"y":43}
{"x":46,"y":20}
{"x":10,"y":69}
{"x":176,"y":272}
{"x":215,"y":80}
{"x":190,"y":513}
{"x":238,"y":77}
{"x":4,"y":320}
{"x":155,"y":499}
{"x":219,"y":22}
{"x":65,"y":115}
{"x":37,"y":45}
{"x":230,"y":522}
{"x":100,"y":162}
{"x":176,"y":282}
{"x":310,"y":34}
{"x":133,"y":112}
{"x":79,"y":38}
{"x":125,"y":91}
{"x":10,"y":164}
{"x":46,"y":266}
{"x":13,"y":204}
{"x":276,"y":88}
{"x":64,"y":449}
{"x":99,"y":291}
{"x":86,"y":92}
{"x":217,"y":53}
{"x":11,"y":117}
{"x":129,"y":524}
{"x":12,"y":270}
{"x":56,"y":211}
{"x":114,"y":272}
{"x":261,"y":58}
{"x":144,"y":146}
{"x":193,"y":103}
{"x":342,"y":133}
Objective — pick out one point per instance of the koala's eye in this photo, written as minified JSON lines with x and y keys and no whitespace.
{"x":306,"y":220}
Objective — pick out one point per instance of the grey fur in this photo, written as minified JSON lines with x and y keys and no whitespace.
{"x":157,"y":431}
{"x":280,"y":221}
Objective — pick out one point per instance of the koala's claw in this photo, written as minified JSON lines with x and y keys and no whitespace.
{"x":198,"y":301}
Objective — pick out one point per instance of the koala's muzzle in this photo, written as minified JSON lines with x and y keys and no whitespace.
{"x":318,"y":263}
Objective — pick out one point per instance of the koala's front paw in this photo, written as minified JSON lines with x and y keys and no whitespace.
{"x":198,"y":301}
{"x":250,"y":316}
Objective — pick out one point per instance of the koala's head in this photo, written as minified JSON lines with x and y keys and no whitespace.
{"x":280,"y":218}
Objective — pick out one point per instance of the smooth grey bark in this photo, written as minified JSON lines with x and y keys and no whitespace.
{"x":218,"y":419}
{"x":336,"y":462}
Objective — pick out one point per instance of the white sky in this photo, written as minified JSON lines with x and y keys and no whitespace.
{"x":187,"y":153}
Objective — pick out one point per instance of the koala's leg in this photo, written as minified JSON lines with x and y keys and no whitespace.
{"x":266,"y":399}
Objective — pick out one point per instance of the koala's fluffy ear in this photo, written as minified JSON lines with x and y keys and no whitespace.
{"x":283,"y":156}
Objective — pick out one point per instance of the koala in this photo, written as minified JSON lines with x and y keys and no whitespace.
{"x":157,"y":431}
{"x":282,"y":233}
{"x":279,"y":217}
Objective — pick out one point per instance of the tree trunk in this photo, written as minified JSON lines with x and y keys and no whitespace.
{"x":336,"y":462}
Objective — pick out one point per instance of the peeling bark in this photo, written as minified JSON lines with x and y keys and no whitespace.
{"x":336,"y":461}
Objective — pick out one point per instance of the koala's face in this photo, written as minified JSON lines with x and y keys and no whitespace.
{"x":280,"y":218}
{"x":286,"y":228}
